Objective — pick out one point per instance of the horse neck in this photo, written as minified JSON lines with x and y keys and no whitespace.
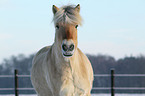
{"x":60,"y":61}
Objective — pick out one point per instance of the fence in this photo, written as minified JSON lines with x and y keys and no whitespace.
{"x":112,"y":76}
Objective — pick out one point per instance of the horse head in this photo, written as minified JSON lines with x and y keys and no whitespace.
{"x":66,"y":20}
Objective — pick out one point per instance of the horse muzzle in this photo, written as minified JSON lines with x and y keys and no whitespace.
{"x":68,"y":48}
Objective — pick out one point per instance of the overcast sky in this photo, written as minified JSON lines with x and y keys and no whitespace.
{"x":112,"y":27}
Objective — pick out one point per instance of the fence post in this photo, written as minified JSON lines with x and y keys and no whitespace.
{"x":16,"y":82}
{"x":112,"y":83}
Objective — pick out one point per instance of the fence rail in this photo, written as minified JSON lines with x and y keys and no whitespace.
{"x":120,"y":75}
{"x":119,"y":88}
{"x":112,"y":77}
{"x":4,"y":76}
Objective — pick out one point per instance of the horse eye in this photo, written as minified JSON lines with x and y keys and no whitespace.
{"x":76,"y":26}
{"x":57,"y":27}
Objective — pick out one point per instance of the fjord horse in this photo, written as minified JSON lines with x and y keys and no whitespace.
{"x":62,"y":69}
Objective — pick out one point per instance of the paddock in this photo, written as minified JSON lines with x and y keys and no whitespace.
{"x":111,"y":90}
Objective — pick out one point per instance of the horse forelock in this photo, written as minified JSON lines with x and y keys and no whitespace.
{"x":67,"y":14}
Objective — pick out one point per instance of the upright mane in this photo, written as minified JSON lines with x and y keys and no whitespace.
{"x":67,"y":14}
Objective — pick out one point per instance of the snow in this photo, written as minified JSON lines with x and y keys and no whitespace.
{"x":93,"y":95}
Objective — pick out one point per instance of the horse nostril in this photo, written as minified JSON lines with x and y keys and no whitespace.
{"x":64,"y":47}
{"x":71,"y":47}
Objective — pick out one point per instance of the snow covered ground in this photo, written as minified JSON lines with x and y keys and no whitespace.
{"x":119,"y":95}
{"x":94,"y":95}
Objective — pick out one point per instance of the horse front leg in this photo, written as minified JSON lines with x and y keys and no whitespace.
{"x":67,"y":88}
{"x":86,"y":94}
{"x":67,"y":91}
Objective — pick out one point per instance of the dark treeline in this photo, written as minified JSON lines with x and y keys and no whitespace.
{"x":101,"y":65}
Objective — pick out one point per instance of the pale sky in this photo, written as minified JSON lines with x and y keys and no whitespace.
{"x":112,"y":27}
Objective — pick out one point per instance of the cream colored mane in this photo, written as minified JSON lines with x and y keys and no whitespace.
{"x":67,"y":14}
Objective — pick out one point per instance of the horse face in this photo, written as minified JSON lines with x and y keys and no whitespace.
{"x":66,"y":20}
{"x":67,"y":38}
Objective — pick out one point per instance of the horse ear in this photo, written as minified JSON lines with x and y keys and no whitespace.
{"x":77,"y":8}
{"x":54,"y":9}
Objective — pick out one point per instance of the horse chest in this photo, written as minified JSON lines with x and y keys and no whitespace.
{"x":70,"y":82}
{"x":80,"y":81}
